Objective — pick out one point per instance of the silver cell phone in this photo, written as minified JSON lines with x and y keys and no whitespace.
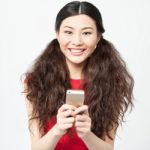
{"x":75,"y":97}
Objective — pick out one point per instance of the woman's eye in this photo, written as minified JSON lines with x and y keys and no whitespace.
{"x":87,"y":33}
{"x":68,"y":32}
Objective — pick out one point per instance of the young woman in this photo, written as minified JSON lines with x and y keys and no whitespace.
{"x":79,"y":58}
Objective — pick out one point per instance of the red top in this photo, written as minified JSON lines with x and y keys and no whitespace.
{"x":70,"y":140}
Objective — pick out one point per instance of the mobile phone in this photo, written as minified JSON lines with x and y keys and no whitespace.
{"x":75,"y":97}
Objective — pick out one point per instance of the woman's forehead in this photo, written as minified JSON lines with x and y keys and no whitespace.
{"x":79,"y":21}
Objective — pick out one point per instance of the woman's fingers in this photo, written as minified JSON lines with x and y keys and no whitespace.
{"x":66,"y":111}
{"x":82,"y":131}
{"x":82,"y":118}
{"x":66,"y":107}
{"x":69,"y":115}
{"x":65,"y":123}
{"x":82,"y":122}
{"x":66,"y":120}
{"x":65,"y":114}
{"x":81,"y":109}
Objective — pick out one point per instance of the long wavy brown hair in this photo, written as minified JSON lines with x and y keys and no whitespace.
{"x":107,"y":83}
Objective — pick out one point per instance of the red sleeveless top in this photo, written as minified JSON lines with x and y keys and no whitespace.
{"x":70,"y":140}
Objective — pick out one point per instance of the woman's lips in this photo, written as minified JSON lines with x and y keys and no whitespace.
{"x":76,"y":51}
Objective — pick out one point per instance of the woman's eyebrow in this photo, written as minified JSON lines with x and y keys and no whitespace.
{"x":84,"y":28}
{"x":68,"y":27}
{"x":87,"y":28}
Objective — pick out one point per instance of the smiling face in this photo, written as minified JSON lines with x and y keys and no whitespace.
{"x":78,"y":38}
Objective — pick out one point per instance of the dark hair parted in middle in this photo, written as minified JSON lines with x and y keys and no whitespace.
{"x":107,"y":83}
{"x":78,"y":8}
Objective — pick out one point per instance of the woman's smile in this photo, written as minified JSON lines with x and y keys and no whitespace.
{"x":77,"y":51}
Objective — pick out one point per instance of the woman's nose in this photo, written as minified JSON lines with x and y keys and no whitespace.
{"x":77,"y":39}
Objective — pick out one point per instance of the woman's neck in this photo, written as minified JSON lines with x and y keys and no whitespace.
{"x":75,"y":70}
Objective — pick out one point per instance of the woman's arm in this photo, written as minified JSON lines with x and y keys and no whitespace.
{"x":83,"y":127}
{"x":49,"y":140}
{"x":94,"y":143}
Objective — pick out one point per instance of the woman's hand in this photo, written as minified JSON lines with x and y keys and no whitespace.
{"x":65,"y":119}
{"x":82,"y":121}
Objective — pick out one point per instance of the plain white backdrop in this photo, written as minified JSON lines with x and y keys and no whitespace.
{"x":27,"y":26}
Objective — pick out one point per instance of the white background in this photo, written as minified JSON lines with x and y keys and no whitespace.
{"x":27,"y":26}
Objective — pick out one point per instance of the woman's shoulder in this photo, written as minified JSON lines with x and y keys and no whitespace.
{"x":26,"y":79}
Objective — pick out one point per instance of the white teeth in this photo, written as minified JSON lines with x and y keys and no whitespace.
{"x":76,"y":50}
